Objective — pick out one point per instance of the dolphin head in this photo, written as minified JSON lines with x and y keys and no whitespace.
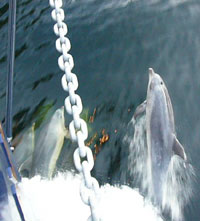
{"x":155,"y":81}
{"x":59,"y":113}
{"x":157,"y":93}
{"x":157,"y":90}
{"x":58,"y":116}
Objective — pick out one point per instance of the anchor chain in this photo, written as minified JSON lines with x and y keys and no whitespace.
{"x":83,"y":158}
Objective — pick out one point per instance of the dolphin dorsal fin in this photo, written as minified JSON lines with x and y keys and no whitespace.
{"x":178,"y":149}
{"x":140,"y":109}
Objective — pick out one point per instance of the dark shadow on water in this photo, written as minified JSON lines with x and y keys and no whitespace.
{"x":20,"y":50}
{"x":47,"y":78}
{"x":26,"y":117}
{"x":19,"y":121}
{"x":4,"y":9}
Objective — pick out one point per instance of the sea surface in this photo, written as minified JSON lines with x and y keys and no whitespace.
{"x":114,"y":42}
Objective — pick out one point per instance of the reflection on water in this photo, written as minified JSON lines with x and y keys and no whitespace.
{"x":113,"y":45}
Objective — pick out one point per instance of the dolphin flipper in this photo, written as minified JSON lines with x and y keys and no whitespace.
{"x":140,"y":109}
{"x":178,"y":149}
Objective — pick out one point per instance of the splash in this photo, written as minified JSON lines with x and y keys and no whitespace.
{"x":178,"y":187}
{"x":180,"y":175}
{"x":137,"y":160}
{"x":59,"y":199}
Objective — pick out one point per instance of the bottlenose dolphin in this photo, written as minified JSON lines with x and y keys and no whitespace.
{"x":49,"y":145}
{"x":24,"y":150}
{"x":160,"y":133}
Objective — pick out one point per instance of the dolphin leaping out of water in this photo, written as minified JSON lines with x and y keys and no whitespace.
{"x":161,"y":139}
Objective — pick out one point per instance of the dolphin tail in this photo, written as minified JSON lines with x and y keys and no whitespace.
{"x":178,"y":149}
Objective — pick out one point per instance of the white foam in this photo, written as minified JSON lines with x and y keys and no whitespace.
{"x":59,"y":199}
{"x":178,"y":187}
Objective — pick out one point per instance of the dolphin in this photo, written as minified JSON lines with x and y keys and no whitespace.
{"x":49,"y":145}
{"x":161,"y":139}
{"x":24,"y":150}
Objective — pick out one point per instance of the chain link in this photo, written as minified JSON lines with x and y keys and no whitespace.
{"x":83,"y":158}
{"x":73,"y":82}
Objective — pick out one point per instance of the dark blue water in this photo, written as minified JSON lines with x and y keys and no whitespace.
{"x":114,"y":42}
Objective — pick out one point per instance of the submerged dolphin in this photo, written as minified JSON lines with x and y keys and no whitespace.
{"x":24,"y":151}
{"x":49,"y":145}
{"x":160,"y":133}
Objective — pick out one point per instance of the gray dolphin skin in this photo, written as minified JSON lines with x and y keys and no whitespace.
{"x":49,"y":145}
{"x":161,"y":136}
{"x":25,"y":149}
{"x":160,"y":133}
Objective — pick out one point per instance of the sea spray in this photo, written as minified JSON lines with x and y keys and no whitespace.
{"x":55,"y":199}
{"x":59,"y":199}
{"x":6,"y":211}
{"x":177,"y":188}
{"x":138,"y":155}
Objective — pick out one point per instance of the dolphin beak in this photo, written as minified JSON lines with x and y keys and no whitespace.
{"x":151,"y":74}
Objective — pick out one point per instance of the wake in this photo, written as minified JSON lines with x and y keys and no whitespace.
{"x":59,"y":199}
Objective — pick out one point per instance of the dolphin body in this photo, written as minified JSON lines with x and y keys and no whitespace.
{"x":160,"y":133}
{"x":24,"y":151}
{"x":49,"y":145}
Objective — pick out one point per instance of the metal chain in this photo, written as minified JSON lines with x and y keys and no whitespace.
{"x":73,"y":104}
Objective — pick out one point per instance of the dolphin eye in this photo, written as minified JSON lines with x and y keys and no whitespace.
{"x":161,"y":83}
